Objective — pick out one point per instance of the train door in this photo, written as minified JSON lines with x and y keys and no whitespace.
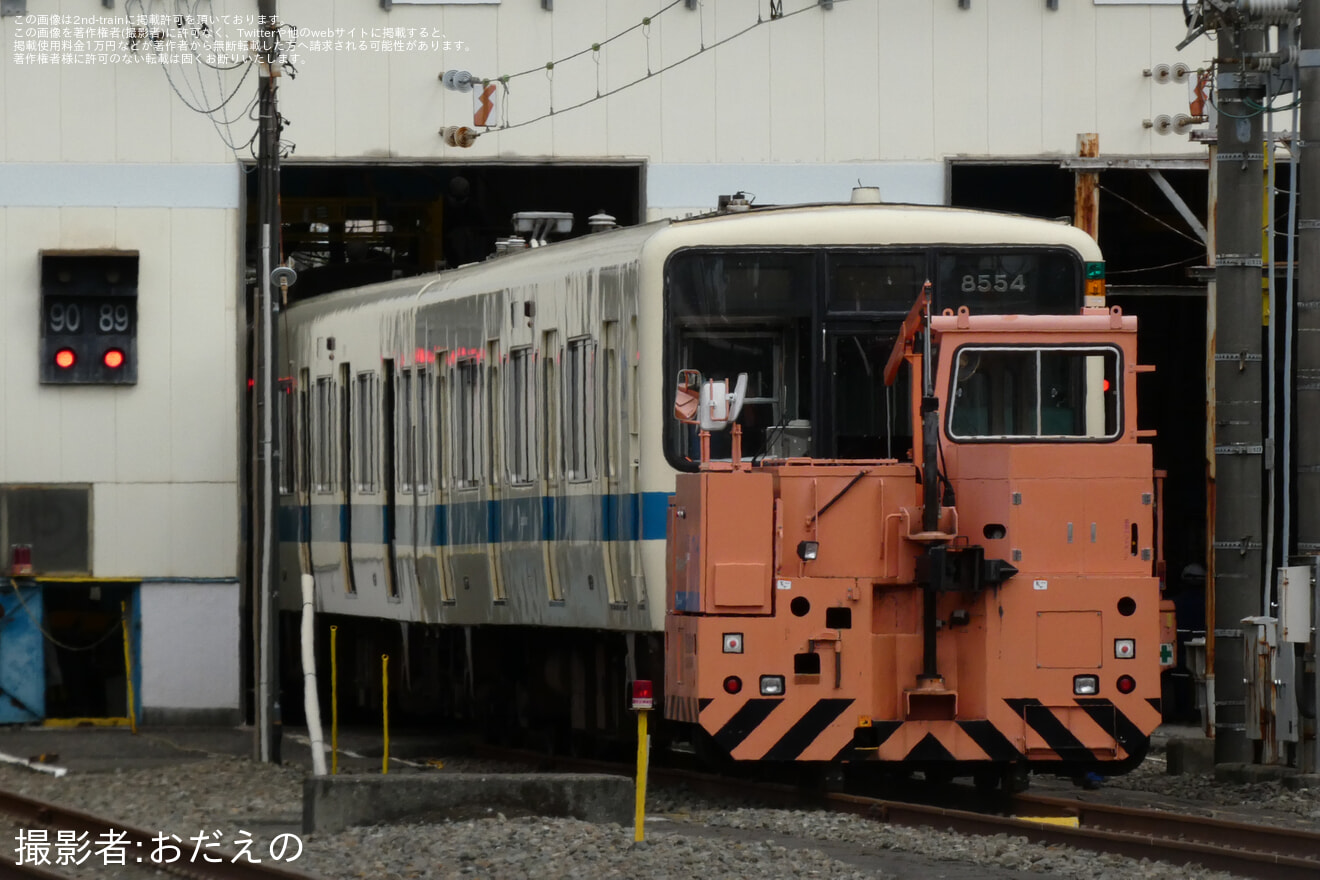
{"x":551,"y":469}
{"x":302,"y":468}
{"x":616,"y":546}
{"x":425,"y":488}
{"x":389,"y":479}
{"x":494,"y":444}
{"x":407,"y":509}
{"x":345,"y":494}
{"x":859,"y":416}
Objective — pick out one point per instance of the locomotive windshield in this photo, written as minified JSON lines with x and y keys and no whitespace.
{"x":1044,"y":394}
{"x":813,"y":328}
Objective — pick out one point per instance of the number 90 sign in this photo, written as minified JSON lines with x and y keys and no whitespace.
{"x":72,"y":318}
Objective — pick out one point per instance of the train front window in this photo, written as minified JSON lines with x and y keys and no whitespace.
{"x":1007,"y":393}
{"x":743,"y":312}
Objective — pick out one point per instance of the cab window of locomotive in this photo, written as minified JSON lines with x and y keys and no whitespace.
{"x":1042,"y":394}
{"x":467,"y":418}
{"x":521,"y":432}
{"x":366,"y":413}
{"x":323,"y":461}
{"x":1009,"y":283}
{"x":741,"y":312}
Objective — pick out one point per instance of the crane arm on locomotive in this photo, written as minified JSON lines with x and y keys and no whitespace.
{"x":1046,"y":655}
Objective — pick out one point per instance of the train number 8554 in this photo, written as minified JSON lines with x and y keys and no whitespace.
{"x":986,"y":282}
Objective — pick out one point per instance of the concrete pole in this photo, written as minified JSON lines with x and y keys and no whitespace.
{"x":1307,"y":445}
{"x":265,"y":397}
{"x":1238,"y":381}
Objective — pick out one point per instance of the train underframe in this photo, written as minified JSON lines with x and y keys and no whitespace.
{"x":559,"y":690}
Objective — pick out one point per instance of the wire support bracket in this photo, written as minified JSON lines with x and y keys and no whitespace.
{"x":1244,"y":546}
{"x":1240,"y":449}
{"x":1238,"y":260}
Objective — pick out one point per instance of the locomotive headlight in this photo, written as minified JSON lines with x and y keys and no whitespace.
{"x":1125,"y":649}
{"x":772,"y":685}
{"x":1084,"y":685}
{"x":733,"y":643}
{"x":807,"y":550}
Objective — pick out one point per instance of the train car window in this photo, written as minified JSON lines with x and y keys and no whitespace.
{"x":521,"y":429}
{"x":366,"y":412}
{"x":1008,"y":282}
{"x":875,"y":283}
{"x":323,"y":476}
{"x":404,"y":464}
{"x":467,"y":420}
{"x":550,"y":430}
{"x":1007,"y":393}
{"x":580,"y":410}
{"x":424,"y":421}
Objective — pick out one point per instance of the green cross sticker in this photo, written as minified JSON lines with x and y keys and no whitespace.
{"x":1166,"y":654}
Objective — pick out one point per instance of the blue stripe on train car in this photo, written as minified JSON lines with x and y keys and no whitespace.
{"x":655,"y":515}
{"x":627,"y":517}
{"x":547,"y":517}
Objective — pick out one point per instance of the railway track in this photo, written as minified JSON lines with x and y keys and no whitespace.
{"x":138,"y":846}
{"x":1243,"y":848}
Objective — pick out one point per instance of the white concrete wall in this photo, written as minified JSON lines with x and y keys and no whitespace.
{"x":869,"y":81}
{"x":190,"y":639}
{"x":161,"y":455}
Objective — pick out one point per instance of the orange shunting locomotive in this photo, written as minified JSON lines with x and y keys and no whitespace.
{"x":989,"y":605}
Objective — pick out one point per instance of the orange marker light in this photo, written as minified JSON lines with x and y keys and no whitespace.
{"x":114,"y":359}
{"x":65,"y":358}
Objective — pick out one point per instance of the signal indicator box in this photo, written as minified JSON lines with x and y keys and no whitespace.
{"x":88,"y":318}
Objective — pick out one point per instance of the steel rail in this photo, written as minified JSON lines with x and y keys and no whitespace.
{"x":1200,"y":829}
{"x":1152,"y":836}
{"x":44,"y":813}
{"x":1247,"y":849}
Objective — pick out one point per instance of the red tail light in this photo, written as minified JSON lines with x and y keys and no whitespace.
{"x":114,"y":359}
{"x":65,"y":358}
{"x":1126,"y":684}
{"x":732,"y":684}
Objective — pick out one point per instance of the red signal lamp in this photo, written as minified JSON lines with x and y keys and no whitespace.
{"x":643,"y":695}
{"x":114,"y":359}
{"x":65,"y":358}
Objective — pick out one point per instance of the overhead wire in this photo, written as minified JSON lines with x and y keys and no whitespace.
{"x":549,"y":66}
{"x":1157,"y":219}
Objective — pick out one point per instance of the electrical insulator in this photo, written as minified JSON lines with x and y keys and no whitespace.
{"x":459,"y":135}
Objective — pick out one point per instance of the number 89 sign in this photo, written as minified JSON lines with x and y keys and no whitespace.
{"x":74,"y":318}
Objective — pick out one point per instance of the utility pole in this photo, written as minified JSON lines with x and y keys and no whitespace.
{"x":265,"y":535}
{"x":1238,"y":361}
{"x":1307,"y":448}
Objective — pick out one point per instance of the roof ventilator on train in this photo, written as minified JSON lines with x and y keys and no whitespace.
{"x":538,"y":225}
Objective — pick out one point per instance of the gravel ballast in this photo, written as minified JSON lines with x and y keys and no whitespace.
{"x":687,"y":835}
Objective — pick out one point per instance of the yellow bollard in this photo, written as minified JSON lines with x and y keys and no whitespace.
{"x":385,"y":709}
{"x":128,"y":666}
{"x":334,"y":704}
{"x":643,"y":750}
